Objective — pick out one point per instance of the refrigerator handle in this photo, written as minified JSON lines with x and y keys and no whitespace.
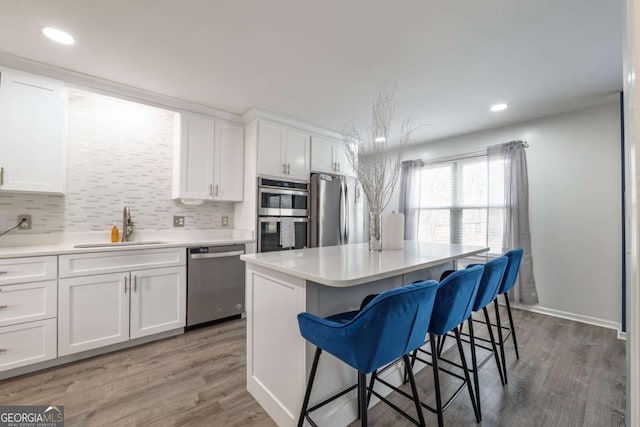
{"x":343,"y":213}
{"x":347,"y":216}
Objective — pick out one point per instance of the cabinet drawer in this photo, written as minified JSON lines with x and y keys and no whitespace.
{"x":121,"y":261}
{"x":27,"y":343}
{"x":23,"y":270}
{"x":28,"y":302}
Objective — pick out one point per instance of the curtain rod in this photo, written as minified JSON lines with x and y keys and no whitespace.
{"x":465,"y":156}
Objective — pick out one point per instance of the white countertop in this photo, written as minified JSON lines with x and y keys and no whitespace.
{"x":350,"y":265}
{"x":64,"y":243}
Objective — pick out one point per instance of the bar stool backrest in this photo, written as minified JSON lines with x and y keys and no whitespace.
{"x":393,"y":324}
{"x":490,"y":282}
{"x":455,"y":299}
{"x":511,"y":273}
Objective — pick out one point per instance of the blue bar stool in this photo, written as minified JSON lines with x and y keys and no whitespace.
{"x":508,"y":282}
{"x":454,"y":301}
{"x":390,"y":327}
{"x":487,"y":292}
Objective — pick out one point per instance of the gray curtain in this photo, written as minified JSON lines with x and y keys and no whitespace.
{"x":510,"y":161}
{"x":410,"y":197}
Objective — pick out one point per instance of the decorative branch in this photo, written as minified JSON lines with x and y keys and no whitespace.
{"x":376,"y":168}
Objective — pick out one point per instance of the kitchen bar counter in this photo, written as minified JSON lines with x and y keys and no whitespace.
{"x":322,"y":281}
{"x":28,"y":245}
{"x":351,"y":265}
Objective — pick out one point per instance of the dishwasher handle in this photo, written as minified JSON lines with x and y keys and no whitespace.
{"x":217,"y":255}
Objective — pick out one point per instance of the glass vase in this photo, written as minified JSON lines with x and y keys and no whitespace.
{"x":375,"y":242}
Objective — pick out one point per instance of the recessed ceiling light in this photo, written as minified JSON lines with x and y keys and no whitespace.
{"x":499,"y":107}
{"x":380,"y":139}
{"x":58,"y":35}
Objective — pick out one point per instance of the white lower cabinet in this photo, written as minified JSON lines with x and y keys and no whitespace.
{"x":158,"y":301}
{"x":28,"y":302}
{"x":96,"y":311}
{"x":27,"y":343}
{"x":93,"y":312}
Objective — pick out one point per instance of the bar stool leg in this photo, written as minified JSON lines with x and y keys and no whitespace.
{"x":501,"y":341}
{"x":493,"y":344}
{"x":466,"y":373}
{"x":436,"y":379}
{"x":307,"y":393}
{"x":371,"y":382}
{"x":474,"y":364}
{"x":414,"y":391}
{"x":362,"y":396}
{"x":513,"y":329}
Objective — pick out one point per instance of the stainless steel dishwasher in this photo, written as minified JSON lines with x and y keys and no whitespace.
{"x":215,"y":283}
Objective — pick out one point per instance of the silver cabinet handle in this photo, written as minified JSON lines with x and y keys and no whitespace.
{"x":3,"y":272}
{"x":338,"y":166}
{"x":211,"y":189}
{"x":288,"y":168}
{"x":125,"y":284}
{"x":1,"y":176}
{"x":3,"y":306}
{"x":284,"y":168}
{"x":217,"y":190}
{"x":2,"y":350}
{"x":135,"y":283}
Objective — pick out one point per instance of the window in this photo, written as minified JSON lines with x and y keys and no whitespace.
{"x":455,"y":203}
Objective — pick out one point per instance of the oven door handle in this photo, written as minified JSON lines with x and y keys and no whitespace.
{"x":280,"y":191}
{"x":276,"y":219}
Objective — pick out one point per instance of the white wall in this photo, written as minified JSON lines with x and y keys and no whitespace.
{"x":118,"y":153}
{"x":575,"y":204}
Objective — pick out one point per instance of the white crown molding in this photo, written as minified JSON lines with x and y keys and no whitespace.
{"x":260,"y":114}
{"x":110,"y":88}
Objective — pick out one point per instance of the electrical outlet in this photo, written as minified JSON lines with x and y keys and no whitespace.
{"x":225,"y":221}
{"x":26,"y":225}
{"x":178,"y":221}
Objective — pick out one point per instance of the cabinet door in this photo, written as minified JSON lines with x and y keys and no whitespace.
{"x":298,"y":155}
{"x":271,"y":150}
{"x":28,"y":302}
{"x":229,"y":161}
{"x":27,"y":343}
{"x":93,"y":311}
{"x":158,"y":300}
{"x":194,"y":172}
{"x":341,"y":160}
{"x":322,"y":155}
{"x":32,"y":133}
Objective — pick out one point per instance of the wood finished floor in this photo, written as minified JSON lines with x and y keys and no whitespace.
{"x":569,"y":374}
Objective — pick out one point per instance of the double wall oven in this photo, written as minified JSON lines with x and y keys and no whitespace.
{"x":278,"y":202}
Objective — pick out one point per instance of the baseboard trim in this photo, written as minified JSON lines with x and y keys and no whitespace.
{"x":573,"y":316}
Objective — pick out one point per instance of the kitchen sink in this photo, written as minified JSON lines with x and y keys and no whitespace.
{"x":119,"y":244}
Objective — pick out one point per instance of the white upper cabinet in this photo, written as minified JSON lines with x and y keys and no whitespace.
{"x":329,"y":156}
{"x":194,"y":158}
{"x":228,"y":172}
{"x":208,"y":159}
{"x":272,"y":146}
{"x":283,"y":152}
{"x":32,"y":133}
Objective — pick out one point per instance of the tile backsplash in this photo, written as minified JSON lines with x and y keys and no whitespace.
{"x":118,"y":153}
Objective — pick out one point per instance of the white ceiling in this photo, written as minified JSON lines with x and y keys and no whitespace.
{"x":322,"y":61}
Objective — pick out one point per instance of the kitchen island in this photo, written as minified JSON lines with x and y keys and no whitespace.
{"x":322,"y":281}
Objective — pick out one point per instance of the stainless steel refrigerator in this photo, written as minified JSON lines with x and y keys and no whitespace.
{"x":337,"y":206}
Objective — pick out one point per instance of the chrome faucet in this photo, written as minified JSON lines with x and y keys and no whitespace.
{"x":127,"y":224}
